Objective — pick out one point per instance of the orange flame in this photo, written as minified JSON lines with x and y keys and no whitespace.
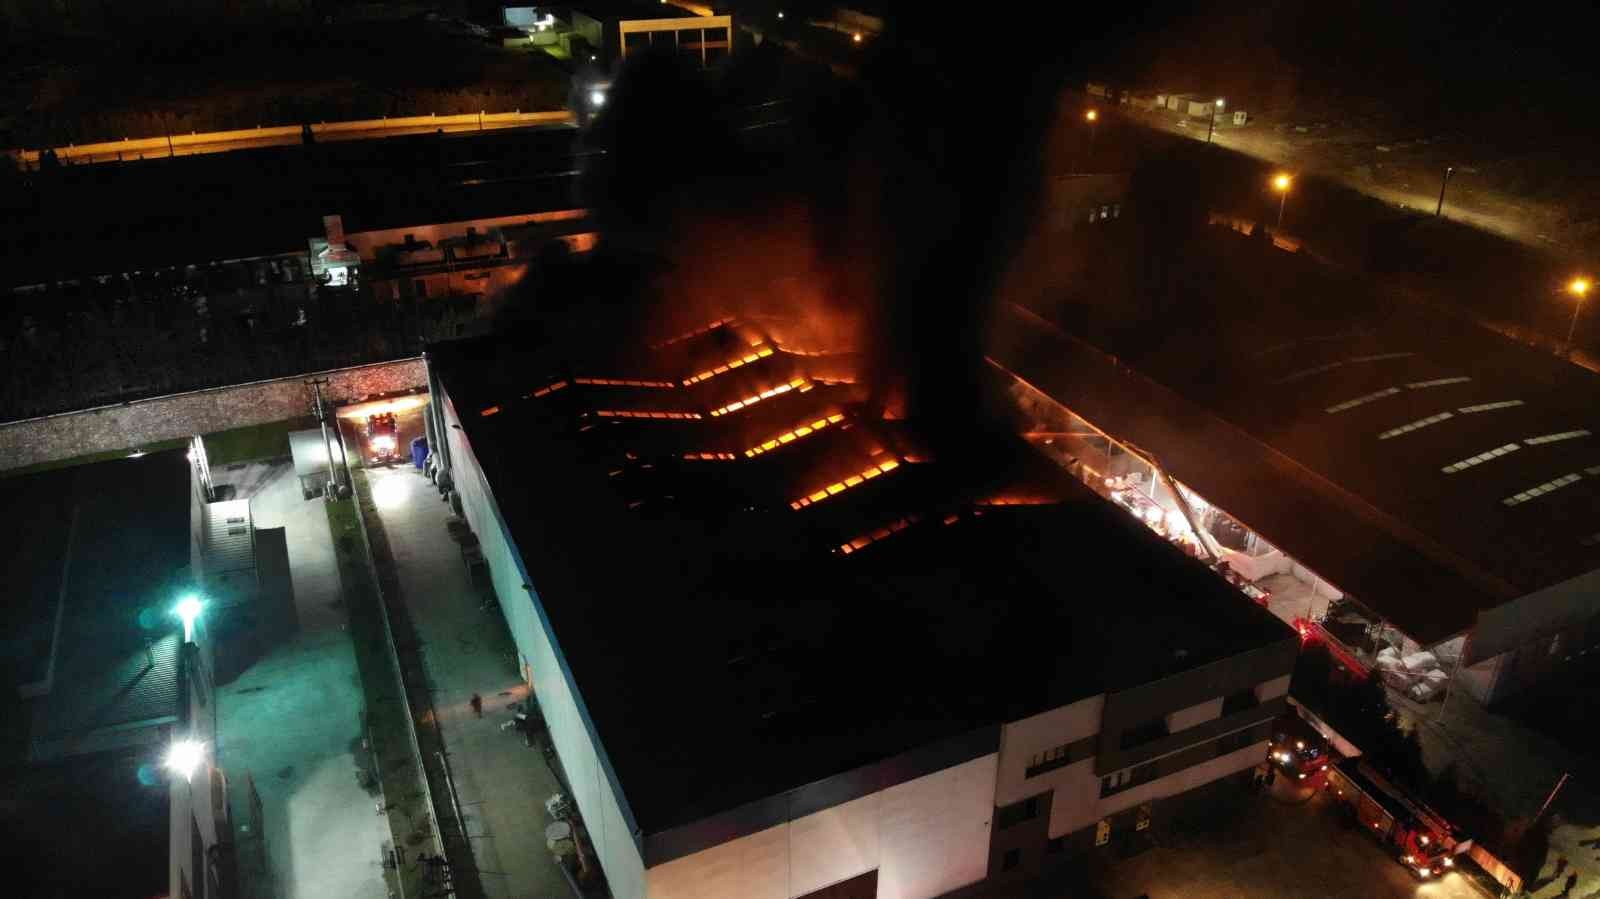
{"x":710,"y":457}
{"x":841,"y":486}
{"x":761,"y":352}
{"x":796,"y":434}
{"x":800,"y":384}
{"x":621,"y":382}
{"x":890,"y":529}
{"x":636,"y":413}
{"x":546,"y":391}
{"x":693,"y":333}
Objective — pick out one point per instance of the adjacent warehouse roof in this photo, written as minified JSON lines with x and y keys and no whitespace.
{"x":759,"y":584}
{"x":1432,"y":471}
{"x":117,"y":669}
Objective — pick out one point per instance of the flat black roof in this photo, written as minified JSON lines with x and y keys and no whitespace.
{"x":731,"y":647}
{"x":613,"y":10}
{"x":1429,"y":467}
{"x":124,"y":526}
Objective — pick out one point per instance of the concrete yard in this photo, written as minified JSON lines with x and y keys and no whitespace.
{"x":501,"y":782}
{"x":293,"y":719}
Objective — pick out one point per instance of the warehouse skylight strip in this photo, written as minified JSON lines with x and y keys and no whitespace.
{"x":1542,"y":489}
{"x":888,"y":530}
{"x":1438,"y":382}
{"x":837,"y":487}
{"x":760,"y":352}
{"x":1489,"y":407}
{"x":1556,"y":438}
{"x":694,"y":333}
{"x":623,"y":382}
{"x":1415,"y":425}
{"x":1592,"y":470}
{"x":637,"y":413}
{"x":1480,"y":458}
{"x":788,"y":437}
{"x":1362,"y":400}
{"x":546,"y":391}
{"x":710,"y":457}
{"x":1306,"y":373}
{"x":800,"y":384}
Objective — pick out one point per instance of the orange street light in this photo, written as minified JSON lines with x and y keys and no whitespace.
{"x":1091,"y":115}
{"x":856,"y":37}
{"x":1577,"y":287}
{"x":1281,"y":184}
{"x":1215,"y":108}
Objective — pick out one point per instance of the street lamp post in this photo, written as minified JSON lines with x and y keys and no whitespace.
{"x":1578,"y":287}
{"x":1211,"y":129}
{"x":1281,"y":184}
{"x":1448,"y":172}
{"x":1093,"y":118}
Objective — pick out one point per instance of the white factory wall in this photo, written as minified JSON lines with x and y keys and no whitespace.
{"x":1173,"y":784}
{"x":1076,"y":787}
{"x":599,"y":804}
{"x":925,"y":837}
{"x":1022,"y":740}
{"x":1537,"y":615}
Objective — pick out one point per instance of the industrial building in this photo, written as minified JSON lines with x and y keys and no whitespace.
{"x":1411,"y":490}
{"x":785,"y":649}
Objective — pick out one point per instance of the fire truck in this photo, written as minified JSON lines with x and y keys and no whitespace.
{"x":1298,"y":750}
{"x":383,"y":437}
{"x":1419,"y":838}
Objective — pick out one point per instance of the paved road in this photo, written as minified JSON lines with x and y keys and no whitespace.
{"x":502,"y":784}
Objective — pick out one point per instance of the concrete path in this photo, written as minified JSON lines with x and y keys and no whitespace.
{"x":293,"y":718}
{"x":501,"y":783}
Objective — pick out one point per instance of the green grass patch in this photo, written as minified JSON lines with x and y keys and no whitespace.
{"x":268,"y":441}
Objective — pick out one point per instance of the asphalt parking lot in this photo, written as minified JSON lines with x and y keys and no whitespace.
{"x":1287,"y":843}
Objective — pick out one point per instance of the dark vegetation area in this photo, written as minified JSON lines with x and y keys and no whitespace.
{"x":291,"y":67}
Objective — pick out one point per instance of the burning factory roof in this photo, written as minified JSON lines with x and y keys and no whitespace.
{"x":754,"y":599}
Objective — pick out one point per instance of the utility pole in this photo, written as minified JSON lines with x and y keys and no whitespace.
{"x":1211,"y":129}
{"x":327,"y":443}
{"x":1552,"y":797}
{"x":1438,"y":211}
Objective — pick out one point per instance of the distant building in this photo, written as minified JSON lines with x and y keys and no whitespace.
{"x":123,"y":679}
{"x":782,"y":651}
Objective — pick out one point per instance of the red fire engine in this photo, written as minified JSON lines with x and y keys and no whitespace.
{"x":1421,"y":840}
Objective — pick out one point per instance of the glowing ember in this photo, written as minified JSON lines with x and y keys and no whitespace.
{"x":636,"y":413}
{"x":622,"y":382}
{"x":758,"y":353}
{"x":797,"y":384}
{"x":710,"y":457}
{"x":881,"y":468}
{"x":865,"y":540}
{"x":695,"y":333}
{"x":546,"y":391}
{"x":796,"y":434}
{"x":1018,"y":501}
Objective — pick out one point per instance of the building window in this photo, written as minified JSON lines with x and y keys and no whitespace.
{"x":1143,"y":733}
{"x":1016,"y":813}
{"x":1113,"y":783}
{"x":1239,"y":701}
{"x":1102,"y":832}
{"x":1011,"y":859}
{"x":1060,"y":756}
{"x":1056,"y":845}
{"x":1145,"y":812}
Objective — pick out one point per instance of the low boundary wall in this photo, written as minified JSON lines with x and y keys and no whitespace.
{"x":139,"y":423}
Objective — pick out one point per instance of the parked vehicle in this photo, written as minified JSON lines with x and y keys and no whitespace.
{"x":1418,"y":836}
{"x":383,"y":437}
